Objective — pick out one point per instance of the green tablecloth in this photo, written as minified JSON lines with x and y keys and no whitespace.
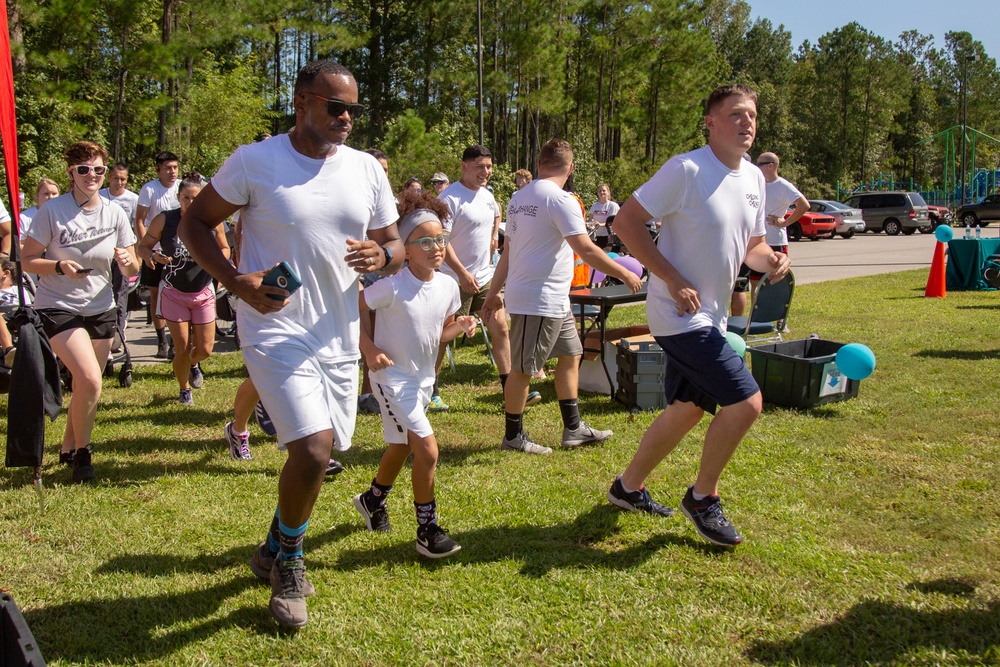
{"x":965,"y":263}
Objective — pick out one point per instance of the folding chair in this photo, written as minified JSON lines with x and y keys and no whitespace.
{"x":768,"y":307}
{"x":486,"y":337}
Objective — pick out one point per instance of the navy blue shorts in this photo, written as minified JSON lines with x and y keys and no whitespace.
{"x":702,"y":368}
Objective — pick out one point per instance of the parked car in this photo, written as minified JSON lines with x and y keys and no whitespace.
{"x":812,"y":226}
{"x":849,"y":220}
{"x":980,"y":214}
{"x":893,"y":212}
{"x":940,"y":215}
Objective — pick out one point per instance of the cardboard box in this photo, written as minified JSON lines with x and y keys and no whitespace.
{"x":592,"y":377}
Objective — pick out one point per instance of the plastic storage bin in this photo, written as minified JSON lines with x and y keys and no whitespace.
{"x":800,"y":373}
{"x":641,"y":367}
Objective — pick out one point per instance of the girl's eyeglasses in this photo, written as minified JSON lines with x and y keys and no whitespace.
{"x":428,"y":242}
{"x":84,"y":169}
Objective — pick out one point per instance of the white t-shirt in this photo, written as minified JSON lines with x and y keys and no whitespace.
{"x":779,"y":196}
{"x":27,"y":215}
{"x":540,"y":268}
{"x":89,"y":238}
{"x":9,"y":299}
{"x":601,"y":212}
{"x":4,"y":215}
{"x":470,"y":222}
{"x":302,"y":210}
{"x":411,"y":315}
{"x":709,"y":214}
{"x":128,"y":200}
{"x":158,"y":198}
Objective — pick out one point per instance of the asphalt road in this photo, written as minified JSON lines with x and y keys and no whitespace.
{"x":812,"y":262}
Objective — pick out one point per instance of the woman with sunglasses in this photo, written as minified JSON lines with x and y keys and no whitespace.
{"x":187,"y":295}
{"x":81,"y":236}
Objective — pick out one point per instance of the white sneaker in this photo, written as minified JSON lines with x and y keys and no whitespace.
{"x":583,"y":435}
{"x":522,"y":443}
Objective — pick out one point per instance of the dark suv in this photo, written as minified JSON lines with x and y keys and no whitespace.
{"x":893,"y":212}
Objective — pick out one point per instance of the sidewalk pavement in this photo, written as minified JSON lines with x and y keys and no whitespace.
{"x":141,"y":339}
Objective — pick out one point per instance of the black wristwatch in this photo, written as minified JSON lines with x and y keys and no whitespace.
{"x":388,"y":259}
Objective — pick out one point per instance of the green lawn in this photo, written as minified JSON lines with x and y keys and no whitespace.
{"x":870,"y":525}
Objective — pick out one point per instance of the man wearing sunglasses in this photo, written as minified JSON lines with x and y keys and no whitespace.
{"x":308,"y":200}
{"x":155,"y":197}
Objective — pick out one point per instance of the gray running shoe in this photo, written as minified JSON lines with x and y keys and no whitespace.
{"x":288,"y":593}
{"x":185,"y":397}
{"x":197,"y":378}
{"x":523,"y":443}
{"x":263,"y":561}
{"x":583,"y":435}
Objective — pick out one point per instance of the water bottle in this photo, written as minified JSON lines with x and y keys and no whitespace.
{"x":979,"y":233}
{"x":968,"y":232}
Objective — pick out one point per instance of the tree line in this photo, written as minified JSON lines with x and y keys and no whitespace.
{"x":623,"y":81}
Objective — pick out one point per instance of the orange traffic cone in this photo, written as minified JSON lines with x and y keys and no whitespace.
{"x":936,"y":279}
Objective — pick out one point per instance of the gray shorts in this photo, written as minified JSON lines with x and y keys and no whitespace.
{"x":473,"y":303}
{"x":534,"y":339}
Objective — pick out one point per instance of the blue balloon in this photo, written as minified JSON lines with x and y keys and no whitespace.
{"x":855,"y":361}
{"x":612,"y":255}
{"x":736,"y":342}
{"x":943,"y":233}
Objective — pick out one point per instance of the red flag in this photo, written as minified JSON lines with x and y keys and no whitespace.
{"x":8,"y":121}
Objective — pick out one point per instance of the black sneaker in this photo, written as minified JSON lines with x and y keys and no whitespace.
{"x":637,"y":501}
{"x":66,"y":458}
{"x":433,"y":542}
{"x":708,"y":519}
{"x":375,"y":514}
{"x":162,"y":350}
{"x":334,"y":467}
{"x":83,"y":468}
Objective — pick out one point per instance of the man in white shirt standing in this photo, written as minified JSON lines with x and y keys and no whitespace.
{"x":155,"y":197}
{"x":307,"y":200}
{"x":118,"y":193}
{"x":711,"y":202}
{"x":545,"y":226}
{"x":474,"y":225}
{"x":780,"y":195}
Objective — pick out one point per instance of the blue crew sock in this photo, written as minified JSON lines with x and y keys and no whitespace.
{"x":273,"y":535}
{"x":291,"y":541}
{"x":426,"y":512}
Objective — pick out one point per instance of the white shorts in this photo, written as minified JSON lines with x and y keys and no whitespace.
{"x":403,"y":409}
{"x":302,"y":395}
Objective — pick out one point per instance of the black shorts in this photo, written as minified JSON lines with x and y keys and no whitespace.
{"x":754,"y":275}
{"x":150,"y":277}
{"x":702,"y":368}
{"x":743,"y":279}
{"x":99,"y":327}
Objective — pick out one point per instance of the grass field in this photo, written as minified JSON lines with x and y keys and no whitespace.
{"x":870,"y":525}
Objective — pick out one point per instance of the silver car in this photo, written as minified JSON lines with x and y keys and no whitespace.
{"x":849,"y":220}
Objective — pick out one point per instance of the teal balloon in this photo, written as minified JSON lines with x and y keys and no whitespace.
{"x":943,"y":233}
{"x":736,"y":342}
{"x":855,"y":361}
{"x":612,"y":255}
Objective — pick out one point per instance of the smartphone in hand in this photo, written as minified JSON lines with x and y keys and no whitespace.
{"x":284,"y":277}
{"x":87,"y":270}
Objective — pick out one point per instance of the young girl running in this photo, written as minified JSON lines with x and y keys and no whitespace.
{"x":422,"y":302}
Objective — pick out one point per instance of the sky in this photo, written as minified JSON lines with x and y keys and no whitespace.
{"x":808,"y":19}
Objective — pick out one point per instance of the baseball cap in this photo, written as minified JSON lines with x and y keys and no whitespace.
{"x":439,"y":177}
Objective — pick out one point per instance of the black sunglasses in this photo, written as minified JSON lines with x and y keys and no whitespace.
{"x":336,"y":108}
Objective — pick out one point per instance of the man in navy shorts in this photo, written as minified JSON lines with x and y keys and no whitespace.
{"x":711,"y":203}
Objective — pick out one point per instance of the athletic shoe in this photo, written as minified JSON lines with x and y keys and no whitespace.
{"x":583,"y":435}
{"x":375,"y":515}
{"x":637,"y":501}
{"x":197,"y":378}
{"x":239,"y":444}
{"x":264,"y":420}
{"x":171,"y":352}
{"x":162,"y":350}
{"x":523,"y":443}
{"x":262,"y":563}
{"x":533,"y":398}
{"x":185,"y":397}
{"x":708,"y":519}
{"x":288,"y":593}
{"x":334,"y":467}
{"x":368,"y":404}
{"x":433,"y":542}
{"x":437,"y":405}
{"x":83,"y":468}
{"x":66,"y":458}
